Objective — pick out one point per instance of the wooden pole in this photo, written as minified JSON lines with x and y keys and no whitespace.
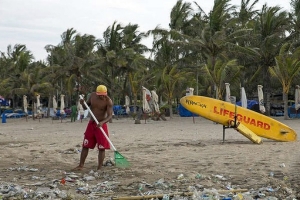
{"x":172,"y":194}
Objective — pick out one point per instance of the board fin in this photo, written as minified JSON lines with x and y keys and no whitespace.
{"x":238,"y":126}
{"x":282,"y":131}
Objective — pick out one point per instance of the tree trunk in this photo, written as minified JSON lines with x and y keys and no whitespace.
{"x":266,"y":84}
{"x":170,"y":107}
{"x":135,"y":102}
{"x":268,"y":103}
{"x":49,"y":105}
{"x":13,"y":102}
{"x":171,"y":111}
{"x":285,"y":101}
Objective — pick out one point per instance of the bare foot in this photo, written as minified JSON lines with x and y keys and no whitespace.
{"x":78,"y":168}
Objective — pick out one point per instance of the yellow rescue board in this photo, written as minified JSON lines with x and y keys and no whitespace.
{"x":245,"y":131}
{"x":221,"y":112}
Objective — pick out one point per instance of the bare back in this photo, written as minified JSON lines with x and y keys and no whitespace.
{"x":101,"y":106}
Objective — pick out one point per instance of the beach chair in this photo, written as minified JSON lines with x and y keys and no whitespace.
{"x":60,"y":116}
{"x":119,"y":111}
{"x":293,"y":113}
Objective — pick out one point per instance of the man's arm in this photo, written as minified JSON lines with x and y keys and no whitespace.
{"x":88,"y":102}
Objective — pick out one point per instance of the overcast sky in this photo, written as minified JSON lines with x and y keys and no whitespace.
{"x":37,"y":23}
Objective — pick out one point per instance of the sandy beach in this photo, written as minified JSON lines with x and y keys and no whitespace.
{"x":177,"y":155}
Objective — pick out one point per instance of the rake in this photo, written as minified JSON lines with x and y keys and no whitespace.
{"x":120,"y":160}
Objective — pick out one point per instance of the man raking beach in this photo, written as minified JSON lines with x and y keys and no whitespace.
{"x":102,"y":108}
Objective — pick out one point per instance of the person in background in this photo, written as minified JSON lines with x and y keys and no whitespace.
{"x":73,"y":113}
{"x":80,"y":111}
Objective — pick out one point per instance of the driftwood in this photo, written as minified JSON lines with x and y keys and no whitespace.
{"x":173,"y":194}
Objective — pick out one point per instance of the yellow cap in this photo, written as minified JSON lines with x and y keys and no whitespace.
{"x":101,"y":90}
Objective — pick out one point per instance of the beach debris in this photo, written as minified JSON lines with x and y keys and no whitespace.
{"x":288,"y":190}
{"x":220,"y":177}
{"x":141,"y":186}
{"x":282,"y":165}
{"x":71,"y":151}
{"x":160,"y":184}
{"x":198,"y":176}
{"x":180,"y":176}
{"x":63,"y":181}
{"x":72,"y":175}
{"x":181,"y":187}
{"x":109,"y":162}
{"x":8,"y":190}
{"x":33,"y":170}
{"x":22,"y":168}
{"x":89,"y":178}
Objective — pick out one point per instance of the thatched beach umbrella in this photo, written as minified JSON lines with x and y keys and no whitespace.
{"x":261,"y":99}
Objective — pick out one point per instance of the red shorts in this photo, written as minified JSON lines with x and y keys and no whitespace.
{"x":93,"y":135}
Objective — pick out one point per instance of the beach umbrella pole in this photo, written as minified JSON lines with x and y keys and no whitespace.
{"x":120,"y":160}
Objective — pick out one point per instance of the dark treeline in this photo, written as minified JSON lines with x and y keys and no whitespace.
{"x":234,"y":44}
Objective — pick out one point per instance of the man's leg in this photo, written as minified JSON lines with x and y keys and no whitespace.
{"x":83,"y":155}
{"x":101,"y":156}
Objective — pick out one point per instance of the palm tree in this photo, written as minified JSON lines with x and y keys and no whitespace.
{"x":132,"y":54}
{"x":221,"y":73}
{"x":5,"y":62}
{"x":122,"y":52}
{"x":269,"y":36}
{"x":179,"y":17}
{"x":110,"y":49}
{"x":167,"y":59}
{"x":294,"y":16}
{"x":215,"y":41}
{"x":286,"y":68}
{"x":246,"y":14}
{"x":244,"y":52}
{"x":76,"y":57}
{"x":171,"y":79}
{"x":17,"y":60}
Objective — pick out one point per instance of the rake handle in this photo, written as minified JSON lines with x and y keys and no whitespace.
{"x":95,"y":119}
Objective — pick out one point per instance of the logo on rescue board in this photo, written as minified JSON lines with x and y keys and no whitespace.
{"x":242,"y":118}
{"x":193,"y":103}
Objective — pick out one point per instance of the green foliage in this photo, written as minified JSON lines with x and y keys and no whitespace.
{"x":235,"y":44}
